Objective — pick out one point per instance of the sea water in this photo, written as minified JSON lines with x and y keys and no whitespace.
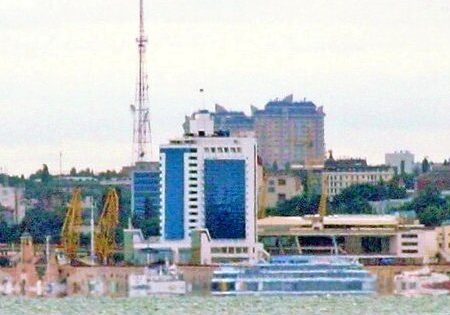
{"x":347,"y":305}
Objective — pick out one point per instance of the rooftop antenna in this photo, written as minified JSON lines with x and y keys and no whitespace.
{"x":141,"y":128}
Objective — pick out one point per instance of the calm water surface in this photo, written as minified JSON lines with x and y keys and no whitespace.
{"x":231,"y":305}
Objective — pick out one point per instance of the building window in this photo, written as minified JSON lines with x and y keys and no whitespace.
{"x":193,"y":199}
{"x":233,"y":150}
{"x":281,"y":182}
{"x":271,"y":189}
{"x":192,"y":172}
{"x":193,"y":164}
{"x":409,"y":244}
{"x":409,"y":235}
{"x":207,"y":150}
{"x":193,"y":185}
{"x":213,"y":150}
{"x":226,"y":150}
{"x":281,"y":197}
{"x":239,"y":150}
{"x":409,"y":251}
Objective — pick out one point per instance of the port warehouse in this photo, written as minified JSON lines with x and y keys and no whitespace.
{"x":373,"y":239}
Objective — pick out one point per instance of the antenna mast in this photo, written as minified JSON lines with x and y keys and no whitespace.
{"x":141,"y":129}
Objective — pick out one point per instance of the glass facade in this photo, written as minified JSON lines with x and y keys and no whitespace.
{"x":225,"y":198}
{"x":146,"y":193}
{"x":174,"y":193}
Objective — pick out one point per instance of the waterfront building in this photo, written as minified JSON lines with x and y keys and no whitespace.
{"x":402,"y":161}
{"x":208,"y":183}
{"x":145,"y":189}
{"x":342,"y":173}
{"x":373,"y":239}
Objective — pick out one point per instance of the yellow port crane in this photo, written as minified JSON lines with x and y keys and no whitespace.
{"x":71,"y":230}
{"x":105,"y":236}
{"x":323,"y":204}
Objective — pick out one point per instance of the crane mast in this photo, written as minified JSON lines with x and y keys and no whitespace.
{"x":105,"y":243}
{"x":71,"y":229}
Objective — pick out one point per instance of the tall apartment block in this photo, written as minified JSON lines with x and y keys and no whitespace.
{"x":288,"y":132}
{"x":208,"y":185}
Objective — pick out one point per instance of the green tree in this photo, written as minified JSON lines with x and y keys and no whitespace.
{"x":40,"y":223}
{"x":297,"y":206}
{"x":433,"y":215}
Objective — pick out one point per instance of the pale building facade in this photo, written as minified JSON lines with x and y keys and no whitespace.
{"x":279,"y":187}
{"x":402,"y":161}
{"x":342,"y":173}
{"x":12,"y":198}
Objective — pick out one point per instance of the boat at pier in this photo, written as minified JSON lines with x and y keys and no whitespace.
{"x":295,"y":275}
{"x":159,"y":281}
{"x":422,"y":282}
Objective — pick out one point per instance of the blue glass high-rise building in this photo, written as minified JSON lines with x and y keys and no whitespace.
{"x":145,"y":189}
{"x":208,"y":182}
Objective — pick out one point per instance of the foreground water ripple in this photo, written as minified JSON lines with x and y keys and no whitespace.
{"x":232,"y":305}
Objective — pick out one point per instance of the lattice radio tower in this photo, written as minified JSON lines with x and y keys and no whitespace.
{"x":141,"y":118}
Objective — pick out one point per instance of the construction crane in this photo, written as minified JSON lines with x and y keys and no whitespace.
{"x":105,"y":236}
{"x":263,"y":195}
{"x":70,"y":234}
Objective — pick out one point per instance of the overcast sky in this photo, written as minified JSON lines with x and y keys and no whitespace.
{"x":381,"y":69}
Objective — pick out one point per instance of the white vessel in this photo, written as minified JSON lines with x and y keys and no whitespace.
{"x":421,"y":282}
{"x":162,"y":281}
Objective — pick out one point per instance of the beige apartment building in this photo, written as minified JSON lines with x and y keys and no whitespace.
{"x":278,"y":187}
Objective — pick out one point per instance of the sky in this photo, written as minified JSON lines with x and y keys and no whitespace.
{"x":381,"y":69}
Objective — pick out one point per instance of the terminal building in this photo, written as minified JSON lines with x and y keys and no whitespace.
{"x":208,"y":199}
{"x":372,"y":239}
